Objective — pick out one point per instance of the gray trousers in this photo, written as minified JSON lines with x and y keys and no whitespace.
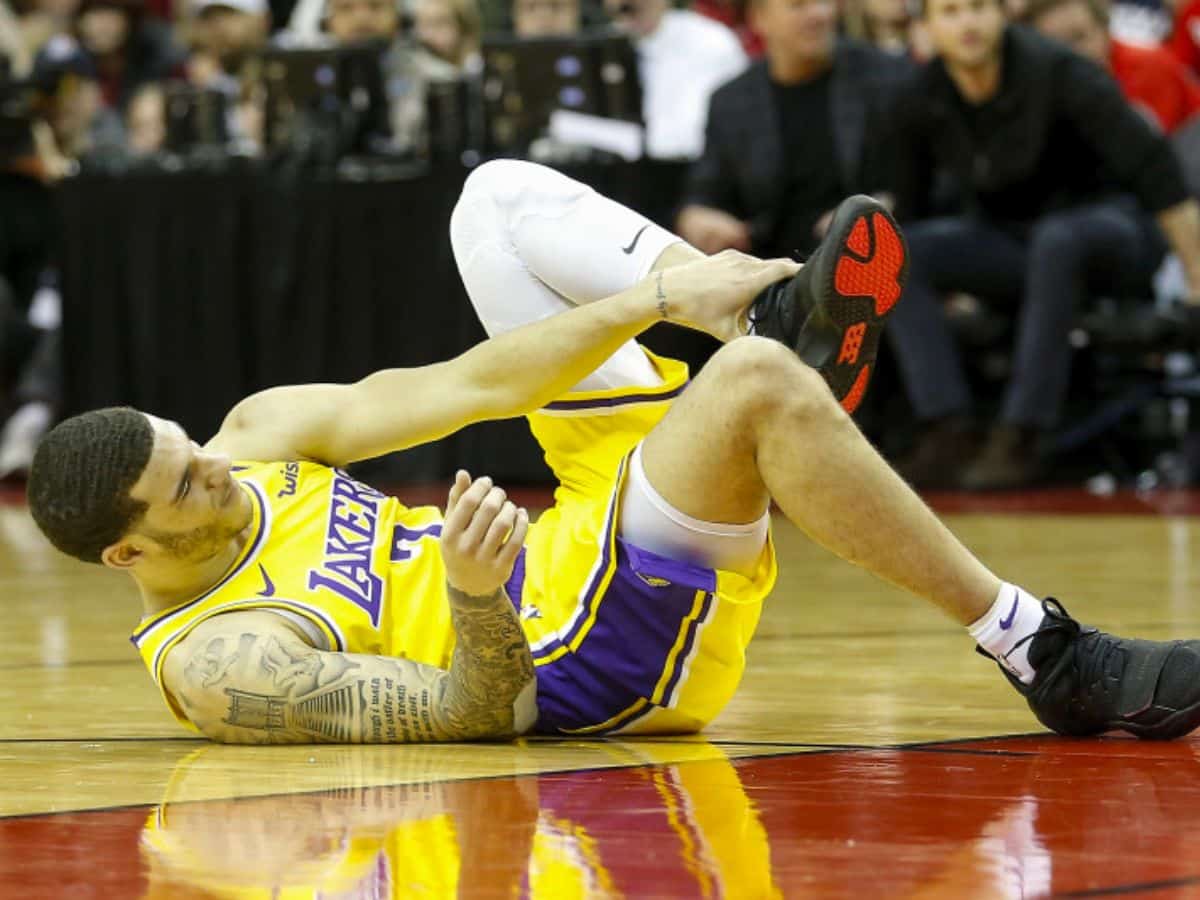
{"x":1043,"y":272}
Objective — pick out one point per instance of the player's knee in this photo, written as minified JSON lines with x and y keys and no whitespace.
{"x":498,"y":177}
{"x":767,"y":377}
{"x":489,"y":179}
{"x":479,"y":214}
{"x":758,"y":368}
{"x":753,"y":362}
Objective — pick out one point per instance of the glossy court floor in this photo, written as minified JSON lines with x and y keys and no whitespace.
{"x":870,"y":753}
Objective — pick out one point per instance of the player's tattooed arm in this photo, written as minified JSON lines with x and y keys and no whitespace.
{"x":268,"y":686}
{"x":272,"y":688}
{"x":490,"y":688}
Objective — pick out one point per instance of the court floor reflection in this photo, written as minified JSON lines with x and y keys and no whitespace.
{"x":675,"y":828}
{"x":1010,"y":817}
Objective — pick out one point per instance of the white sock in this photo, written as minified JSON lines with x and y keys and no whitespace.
{"x":1014,"y":616}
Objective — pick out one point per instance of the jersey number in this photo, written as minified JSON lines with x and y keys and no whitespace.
{"x":406,"y":542}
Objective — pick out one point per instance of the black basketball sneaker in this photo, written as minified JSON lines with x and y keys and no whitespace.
{"x":832,"y":311}
{"x":1089,"y":682}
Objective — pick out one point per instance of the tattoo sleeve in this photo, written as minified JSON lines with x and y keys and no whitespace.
{"x":275,"y":689}
{"x":491,"y":666}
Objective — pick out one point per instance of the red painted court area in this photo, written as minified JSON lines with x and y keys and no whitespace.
{"x":1008,"y":817}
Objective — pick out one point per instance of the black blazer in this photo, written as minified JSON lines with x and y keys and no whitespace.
{"x":1058,"y":133}
{"x":742,"y":168}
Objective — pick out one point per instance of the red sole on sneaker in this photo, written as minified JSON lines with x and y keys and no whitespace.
{"x":877,"y":274}
{"x":851,"y":400}
{"x":865,"y":283}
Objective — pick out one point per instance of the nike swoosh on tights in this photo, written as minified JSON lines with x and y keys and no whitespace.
{"x":269,"y":589}
{"x":637,"y":237}
{"x":1007,"y":622}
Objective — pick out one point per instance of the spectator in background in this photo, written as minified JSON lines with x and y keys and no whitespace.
{"x":41,"y":20}
{"x":146,"y":121}
{"x":408,"y":68}
{"x":1143,"y":23}
{"x":1153,"y":80}
{"x":226,"y":34}
{"x":352,"y":21}
{"x":118,"y":48}
{"x":73,"y":107}
{"x":450,"y":30}
{"x":16,"y":44}
{"x":546,"y":18}
{"x":791,"y":136}
{"x":1047,"y":158}
{"x":882,"y":23}
{"x":733,"y":14}
{"x":683,"y":57}
{"x":127,"y":48}
{"x":1184,"y":41}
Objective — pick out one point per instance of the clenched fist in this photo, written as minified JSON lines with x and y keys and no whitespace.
{"x":481,"y":537}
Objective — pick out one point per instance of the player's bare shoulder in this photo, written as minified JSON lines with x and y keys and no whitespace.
{"x":259,"y":427}
{"x":290,"y":422}
{"x":214,"y":650}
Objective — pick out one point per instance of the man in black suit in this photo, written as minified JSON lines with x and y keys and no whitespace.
{"x":1062,"y":185}
{"x":791,"y":136}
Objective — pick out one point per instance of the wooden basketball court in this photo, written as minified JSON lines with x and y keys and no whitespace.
{"x":869,"y":753}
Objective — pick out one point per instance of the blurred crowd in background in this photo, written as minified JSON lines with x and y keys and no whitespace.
{"x":1042,"y":154}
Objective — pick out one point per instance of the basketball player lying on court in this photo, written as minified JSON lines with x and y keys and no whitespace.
{"x":285,"y":602}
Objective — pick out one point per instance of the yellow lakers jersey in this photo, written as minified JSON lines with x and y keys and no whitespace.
{"x":359,"y":571}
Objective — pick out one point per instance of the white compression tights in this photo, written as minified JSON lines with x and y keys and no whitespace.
{"x":529,"y":243}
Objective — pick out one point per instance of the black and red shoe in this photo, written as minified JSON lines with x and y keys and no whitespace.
{"x":832,"y":311}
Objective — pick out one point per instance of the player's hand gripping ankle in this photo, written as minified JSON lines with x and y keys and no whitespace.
{"x":712,"y":294}
{"x":481,"y":537}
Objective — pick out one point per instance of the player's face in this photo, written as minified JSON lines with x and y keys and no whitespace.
{"x":194,"y":505}
{"x":966,"y":33}
{"x":1074,"y":25}
{"x":798,"y":29}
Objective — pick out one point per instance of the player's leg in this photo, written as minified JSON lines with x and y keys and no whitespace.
{"x":522,"y":233}
{"x":531,"y":242}
{"x":579,"y":243}
{"x":758,"y":424}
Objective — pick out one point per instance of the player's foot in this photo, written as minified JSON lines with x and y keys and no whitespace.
{"x":832,"y":311}
{"x":1089,"y":682}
